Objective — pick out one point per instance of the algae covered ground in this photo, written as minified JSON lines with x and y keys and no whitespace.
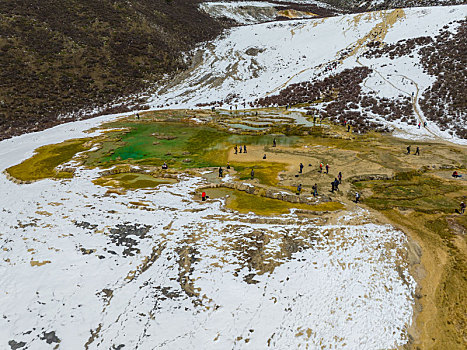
{"x":122,"y":165}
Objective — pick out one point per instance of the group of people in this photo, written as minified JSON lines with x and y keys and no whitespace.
{"x":239,"y":149}
{"x":337,"y":181}
{"x":321,"y":168}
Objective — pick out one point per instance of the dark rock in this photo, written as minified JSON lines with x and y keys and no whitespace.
{"x":16,"y":345}
{"x":50,"y":337}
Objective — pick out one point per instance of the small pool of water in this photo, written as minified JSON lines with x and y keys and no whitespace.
{"x":132,"y":181}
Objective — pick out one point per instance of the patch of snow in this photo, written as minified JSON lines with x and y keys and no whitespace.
{"x":260,"y":60}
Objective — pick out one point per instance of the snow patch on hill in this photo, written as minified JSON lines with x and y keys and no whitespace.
{"x":245,"y":12}
{"x":258,"y":60}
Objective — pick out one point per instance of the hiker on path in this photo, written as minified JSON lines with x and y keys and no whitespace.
{"x":244,"y":148}
{"x":424,"y":124}
{"x":274,"y":142}
{"x":228,"y":165}
{"x":417,"y":151}
{"x":240,"y":149}
{"x":320,"y":167}
{"x":203,"y":196}
{"x":220,"y":171}
{"x":315,"y":190}
{"x":357,"y":197}
{"x":301,"y":168}
{"x":408,"y":149}
{"x":137,"y":116}
{"x":348,"y":127}
{"x":327,"y":168}
{"x":419,"y":125}
{"x":462,"y":208}
{"x":235,"y":149}
{"x":165,"y":166}
{"x":336,"y":184}
{"x":339,"y":177}
{"x":299,"y":189}
{"x":252,"y":174}
{"x":333,"y":186}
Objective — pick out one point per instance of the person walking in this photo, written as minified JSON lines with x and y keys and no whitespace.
{"x":228,"y":165}
{"x":315,"y":190}
{"x":463,"y":208}
{"x":274,"y":142}
{"x":348,"y":127}
{"x":408,"y":149}
{"x":299,"y":189}
{"x":336,"y":184}
{"x":327,"y":168}
{"x":320,"y":167}
{"x":333,"y":186}
{"x":203,"y":196}
{"x":235,"y":149}
{"x":220,"y":171}
{"x":339,"y":177}
{"x":244,"y":148}
{"x":417,"y":151}
{"x":419,"y":124}
{"x":301,"y":168}
{"x":252,"y":174}
{"x":357,"y":197}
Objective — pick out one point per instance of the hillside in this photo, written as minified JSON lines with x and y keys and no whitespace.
{"x":291,"y":184}
{"x":61,"y":56}
{"x":369,"y":5}
{"x":413,"y":60}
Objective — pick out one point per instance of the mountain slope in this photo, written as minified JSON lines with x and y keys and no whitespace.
{"x":60,"y":56}
{"x":259,"y":61}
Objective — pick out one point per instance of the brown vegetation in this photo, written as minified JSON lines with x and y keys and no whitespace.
{"x":445,"y":102}
{"x":344,"y":101}
{"x":61,"y":56}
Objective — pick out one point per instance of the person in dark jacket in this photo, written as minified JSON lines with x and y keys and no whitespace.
{"x":315,"y":190}
{"x":299,"y":189}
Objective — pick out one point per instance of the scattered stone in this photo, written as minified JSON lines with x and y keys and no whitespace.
{"x":85,"y":225}
{"x":50,"y":337}
{"x":121,"y":236}
{"x":16,"y":345}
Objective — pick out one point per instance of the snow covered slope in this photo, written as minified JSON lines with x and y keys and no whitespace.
{"x":259,"y":60}
{"x":90,"y":270}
